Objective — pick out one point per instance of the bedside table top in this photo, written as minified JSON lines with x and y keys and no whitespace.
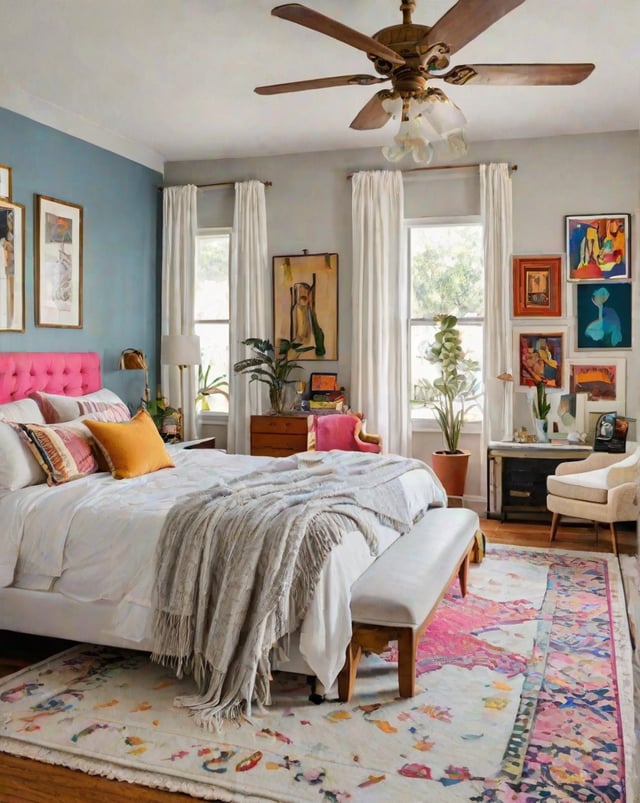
{"x":200,"y":443}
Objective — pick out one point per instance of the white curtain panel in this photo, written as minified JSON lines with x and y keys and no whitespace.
{"x":250,"y":288}
{"x":497,"y":219}
{"x":379,"y":358}
{"x":179,"y":230}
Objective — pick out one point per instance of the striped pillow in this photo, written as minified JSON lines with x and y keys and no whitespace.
{"x":57,"y":409}
{"x":62,"y":450}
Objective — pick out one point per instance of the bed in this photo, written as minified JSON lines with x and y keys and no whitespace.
{"x":77,"y":560}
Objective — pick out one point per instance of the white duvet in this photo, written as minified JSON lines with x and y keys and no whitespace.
{"x":95,"y":538}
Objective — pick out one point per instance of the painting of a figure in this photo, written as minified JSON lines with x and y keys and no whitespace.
{"x":305,"y":301}
{"x":604,"y":316}
{"x":11,"y":267}
{"x":537,"y":286}
{"x":59,"y":263}
{"x":598,"y":247}
{"x":540,"y":358}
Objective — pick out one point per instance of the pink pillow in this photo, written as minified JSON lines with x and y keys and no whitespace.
{"x":62,"y":450}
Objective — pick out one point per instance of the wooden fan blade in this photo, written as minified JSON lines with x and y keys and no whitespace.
{"x":320,"y":83}
{"x":466,"y":20}
{"x":295,"y":12}
{"x":371,"y":115}
{"x":531,"y":74}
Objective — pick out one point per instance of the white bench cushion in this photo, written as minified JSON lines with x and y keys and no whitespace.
{"x":405,"y":582}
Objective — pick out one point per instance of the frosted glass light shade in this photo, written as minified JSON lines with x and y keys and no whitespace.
{"x":444,"y":116}
{"x":410,"y":139}
{"x":180,"y":350}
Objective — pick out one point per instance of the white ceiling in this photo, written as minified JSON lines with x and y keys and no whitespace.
{"x":166,"y":80}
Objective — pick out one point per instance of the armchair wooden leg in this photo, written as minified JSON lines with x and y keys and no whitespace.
{"x":613,"y":531}
{"x":407,"y":643}
{"x":555,"y":521}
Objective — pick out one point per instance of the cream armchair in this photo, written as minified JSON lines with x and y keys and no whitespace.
{"x":602,"y":488}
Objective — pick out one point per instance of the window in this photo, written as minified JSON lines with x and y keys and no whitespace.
{"x":211,"y":315}
{"x":447,"y":275}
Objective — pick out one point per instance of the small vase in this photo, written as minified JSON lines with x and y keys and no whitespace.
{"x":276,"y":400}
{"x":541,"y":430}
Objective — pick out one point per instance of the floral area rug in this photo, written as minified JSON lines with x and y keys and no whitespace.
{"x":525,"y":694}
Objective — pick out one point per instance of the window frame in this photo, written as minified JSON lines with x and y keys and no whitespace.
{"x":428,"y":423}
{"x":210,"y":416}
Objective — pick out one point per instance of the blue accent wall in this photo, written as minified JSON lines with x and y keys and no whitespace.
{"x":121,"y":254}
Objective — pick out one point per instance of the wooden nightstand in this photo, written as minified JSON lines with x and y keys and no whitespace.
{"x":281,"y":435}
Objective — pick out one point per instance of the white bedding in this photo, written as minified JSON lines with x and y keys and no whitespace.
{"x":94,"y":539}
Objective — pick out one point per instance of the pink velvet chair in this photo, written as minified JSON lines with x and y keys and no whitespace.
{"x":344,"y":432}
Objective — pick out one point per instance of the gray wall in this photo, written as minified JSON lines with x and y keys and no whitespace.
{"x":309,"y":206}
{"x":120,"y":201}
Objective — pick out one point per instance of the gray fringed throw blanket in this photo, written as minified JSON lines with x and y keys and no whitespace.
{"x":238,"y":564}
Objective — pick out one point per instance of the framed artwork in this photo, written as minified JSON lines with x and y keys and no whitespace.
{"x":323,"y":383}
{"x":58,"y":261}
{"x":601,"y":381}
{"x":305,"y":303}
{"x":567,"y":413}
{"x":603,"y":316}
{"x":5,"y":183}
{"x":539,"y":356}
{"x":598,"y":247}
{"x":11,"y":267}
{"x":537,"y":283}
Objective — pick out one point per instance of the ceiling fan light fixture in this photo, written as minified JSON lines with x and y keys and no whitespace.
{"x":393,"y":106}
{"x":410,"y":139}
{"x":456,"y":142}
{"x":443,"y":114}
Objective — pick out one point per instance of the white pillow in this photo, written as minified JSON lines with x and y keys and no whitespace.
{"x":57,"y":409}
{"x":18,"y":466}
{"x":25,"y":411}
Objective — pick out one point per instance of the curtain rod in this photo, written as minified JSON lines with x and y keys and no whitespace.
{"x":219,"y":185}
{"x":441,"y":167}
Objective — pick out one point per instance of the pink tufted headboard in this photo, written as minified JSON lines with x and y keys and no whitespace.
{"x":65,"y":373}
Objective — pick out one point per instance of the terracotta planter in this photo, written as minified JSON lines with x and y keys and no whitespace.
{"x":451,"y":470}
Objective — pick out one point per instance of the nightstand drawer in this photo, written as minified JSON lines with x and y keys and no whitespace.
{"x":281,"y":435}
{"x":281,"y":423}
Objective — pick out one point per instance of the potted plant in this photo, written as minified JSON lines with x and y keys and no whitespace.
{"x":541,"y":407}
{"x":272,"y":367}
{"x":451,"y":394}
{"x":209,"y":387}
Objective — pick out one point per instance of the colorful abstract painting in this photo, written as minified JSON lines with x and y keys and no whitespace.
{"x":598,"y":247}
{"x":604,"y":316}
{"x":540,"y":357}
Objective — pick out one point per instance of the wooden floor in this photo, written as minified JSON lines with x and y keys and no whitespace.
{"x":24,"y":781}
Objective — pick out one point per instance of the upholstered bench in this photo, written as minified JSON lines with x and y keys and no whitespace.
{"x":396,"y":597}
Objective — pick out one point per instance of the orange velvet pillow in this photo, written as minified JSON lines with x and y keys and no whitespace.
{"x":131,"y":448}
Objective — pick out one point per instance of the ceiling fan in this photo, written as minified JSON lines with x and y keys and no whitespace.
{"x":410,"y":56}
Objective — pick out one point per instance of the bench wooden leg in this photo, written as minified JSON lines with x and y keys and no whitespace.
{"x":614,"y":542}
{"x":463,"y":575}
{"x":555,"y":521}
{"x":407,"y":642}
{"x":347,"y":676}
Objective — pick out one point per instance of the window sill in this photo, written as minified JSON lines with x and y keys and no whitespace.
{"x":430,"y":425}
{"x":213,"y":418}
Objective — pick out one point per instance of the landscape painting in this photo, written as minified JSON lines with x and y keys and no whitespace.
{"x":602,"y":382}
